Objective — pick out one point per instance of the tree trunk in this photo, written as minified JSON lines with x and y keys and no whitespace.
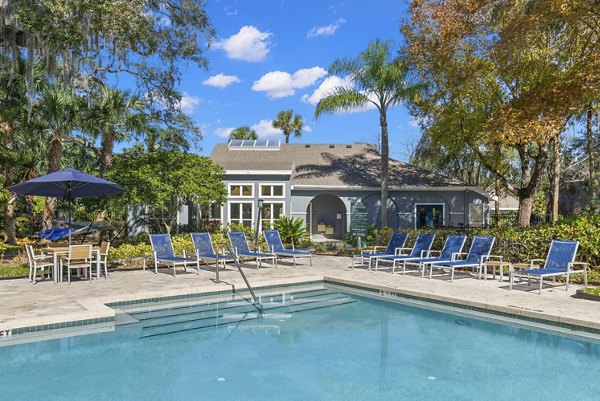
{"x":385,"y":154}
{"x":555,"y":183}
{"x":56,"y":150}
{"x":590,"y":153}
{"x":106,"y":152}
{"x":525,"y":209}
{"x":10,"y":229}
{"x":530,"y":180}
{"x":497,"y":204}
{"x":287,"y":138}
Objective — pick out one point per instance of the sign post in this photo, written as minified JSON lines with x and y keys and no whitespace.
{"x":359,"y":222}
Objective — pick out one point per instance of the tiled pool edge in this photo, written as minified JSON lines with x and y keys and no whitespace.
{"x":10,"y":331}
{"x":497,"y":310}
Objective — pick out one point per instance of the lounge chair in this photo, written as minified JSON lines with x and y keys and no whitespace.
{"x":162,"y":251}
{"x":204,"y":250}
{"x":559,"y":262}
{"x":478,"y":253}
{"x":240,"y":247}
{"x":276,"y":246}
{"x":452,"y":247}
{"x":420,"y":250}
{"x":394,"y":247}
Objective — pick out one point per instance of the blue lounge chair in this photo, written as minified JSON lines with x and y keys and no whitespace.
{"x":204,"y":250}
{"x":420,"y":250}
{"x":478,"y":253}
{"x":276,"y":246}
{"x":162,"y":251}
{"x":394,"y":247}
{"x":240,"y":247}
{"x":559,"y":262}
{"x":452,"y":247}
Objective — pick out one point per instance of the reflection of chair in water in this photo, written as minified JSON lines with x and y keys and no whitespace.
{"x":267,"y":328}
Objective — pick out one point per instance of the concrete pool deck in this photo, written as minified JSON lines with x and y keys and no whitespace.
{"x":45,"y":303}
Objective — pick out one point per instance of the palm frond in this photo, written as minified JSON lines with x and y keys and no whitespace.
{"x":341,"y":99}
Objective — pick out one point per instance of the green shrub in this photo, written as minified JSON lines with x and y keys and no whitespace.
{"x":291,"y":229}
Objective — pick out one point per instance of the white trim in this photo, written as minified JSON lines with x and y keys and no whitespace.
{"x":229,"y":202}
{"x":430,"y":204}
{"x":390,"y":189}
{"x":271,"y":184}
{"x":241,"y":184}
{"x":258,"y":172}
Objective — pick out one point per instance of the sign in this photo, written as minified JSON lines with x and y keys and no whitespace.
{"x":358,"y":220}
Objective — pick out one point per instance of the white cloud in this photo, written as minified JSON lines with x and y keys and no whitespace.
{"x":307,"y":128}
{"x":231,"y":11}
{"x":265,"y":128}
{"x":223,"y":132}
{"x":327,"y":86}
{"x":189,"y":103}
{"x":278,"y":84}
{"x":221,"y":80}
{"x":249,"y":44}
{"x":413,"y":122}
{"x":326,"y":30}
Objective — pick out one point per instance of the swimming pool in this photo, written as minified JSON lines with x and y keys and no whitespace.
{"x":311,"y":344}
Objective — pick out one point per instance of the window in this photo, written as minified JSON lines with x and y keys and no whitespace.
{"x":241,"y":213}
{"x":241,"y":190}
{"x":271,"y":191}
{"x":429,"y":216}
{"x":270,"y":214}
{"x":211,"y":212}
{"x":476,"y":215}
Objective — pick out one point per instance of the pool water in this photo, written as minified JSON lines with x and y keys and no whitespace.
{"x":321,"y":344}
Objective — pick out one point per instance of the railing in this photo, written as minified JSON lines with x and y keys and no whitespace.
{"x":256,"y":303}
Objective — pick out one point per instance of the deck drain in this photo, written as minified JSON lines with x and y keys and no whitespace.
{"x":462,"y":322}
{"x":220,"y":379}
{"x":432,"y":378}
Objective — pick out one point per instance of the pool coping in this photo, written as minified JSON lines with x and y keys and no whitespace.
{"x":101,"y":311}
{"x":514,"y":312}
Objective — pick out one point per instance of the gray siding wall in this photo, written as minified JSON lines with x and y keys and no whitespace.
{"x":401,"y":206}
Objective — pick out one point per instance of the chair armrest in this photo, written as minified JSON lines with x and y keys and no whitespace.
{"x":533,"y":265}
{"x":585,"y":266}
{"x":455,"y":255}
{"x":402,"y":250}
{"x":432,"y":253}
{"x":425,"y":253}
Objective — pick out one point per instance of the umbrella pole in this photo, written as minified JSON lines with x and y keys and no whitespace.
{"x":69,"y":198}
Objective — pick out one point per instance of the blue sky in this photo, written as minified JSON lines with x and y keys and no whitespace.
{"x":273,"y":55}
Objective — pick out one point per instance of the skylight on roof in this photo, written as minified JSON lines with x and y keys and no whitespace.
{"x":258,"y":144}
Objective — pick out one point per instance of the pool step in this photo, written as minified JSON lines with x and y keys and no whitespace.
{"x":216,"y":315}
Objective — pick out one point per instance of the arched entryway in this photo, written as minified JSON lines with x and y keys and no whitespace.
{"x":326,"y":217}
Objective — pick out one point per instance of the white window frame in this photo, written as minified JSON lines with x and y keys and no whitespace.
{"x":430,"y":204}
{"x":241,"y":184}
{"x":229,"y":203}
{"x":282,"y":203}
{"x":271,"y":184}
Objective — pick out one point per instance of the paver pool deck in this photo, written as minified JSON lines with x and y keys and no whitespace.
{"x":23,"y":304}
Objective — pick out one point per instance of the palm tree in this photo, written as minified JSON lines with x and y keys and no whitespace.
{"x":113,"y":116}
{"x":58,"y":114}
{"x":243,"y":132}
{"x":378,"y":79}
{"x":288,"y":123}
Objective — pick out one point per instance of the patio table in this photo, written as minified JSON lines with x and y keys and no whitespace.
{"x":64,"y":250}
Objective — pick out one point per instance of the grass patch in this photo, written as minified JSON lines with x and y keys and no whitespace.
{"x":14,"y":270}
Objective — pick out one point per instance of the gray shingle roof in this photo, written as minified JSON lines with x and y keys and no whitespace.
{"x":355,"y":165}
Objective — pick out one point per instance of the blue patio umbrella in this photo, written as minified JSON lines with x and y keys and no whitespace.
{"x":67,"y":183}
